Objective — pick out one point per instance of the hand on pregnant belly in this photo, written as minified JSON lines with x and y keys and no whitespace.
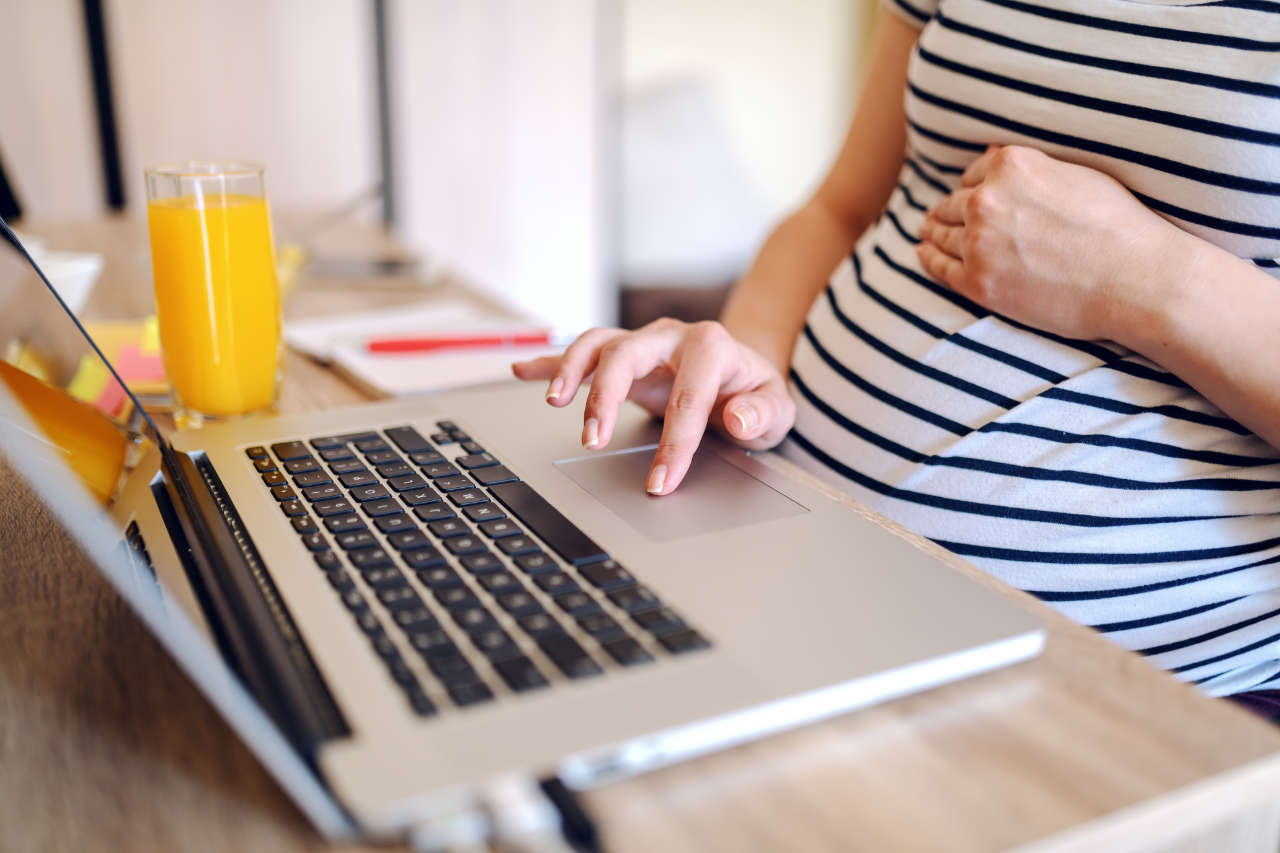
{"x":693,"y":374}
{"x":1055,"y":245}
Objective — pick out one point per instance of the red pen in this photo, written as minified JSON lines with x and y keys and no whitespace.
{"x":479,"y":340}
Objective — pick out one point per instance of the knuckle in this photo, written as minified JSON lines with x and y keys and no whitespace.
{"x":597,"y":398}
{"x":667,"y":451}
{"x":663,"y":324}
{"x":685,"y":400}
{"x":982,"y":202}
{"x":708,"y":332}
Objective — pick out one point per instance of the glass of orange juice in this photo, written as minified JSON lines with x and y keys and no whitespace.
{"x":217,"y":297}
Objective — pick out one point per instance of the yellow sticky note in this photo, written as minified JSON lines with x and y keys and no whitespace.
{"x":90,"y":379}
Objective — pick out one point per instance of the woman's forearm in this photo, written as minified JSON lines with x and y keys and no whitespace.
{"x":1213,"y":320}
{"x":767,"y":307}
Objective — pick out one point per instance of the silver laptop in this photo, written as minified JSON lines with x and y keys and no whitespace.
{"x":397,"y":604}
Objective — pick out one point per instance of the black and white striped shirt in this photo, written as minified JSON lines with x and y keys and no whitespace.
{"x":1078,"y":471}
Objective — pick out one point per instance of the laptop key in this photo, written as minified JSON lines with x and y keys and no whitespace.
{"x":607,"y":575}
{"x":346,"y":466}
{"x":368,"y":622}
{"x":273,"y":478}
{"x":447,"y":527}
{"x":536,"y":563}
{"x":351,"y":596}
{"x":495,"y":644}
{"x":433,"y":643}
{"x":304,"y":523}
{"x":386,"y":506}
{"x":577,"y":603}
{"x":440,"y":469}
{"x":356,"y":539}
{"x":556,"y":583}
{"x":329,"y":561}
{"x":540,"y":624}
{"x":446,"y":425}
{"x":335,"y":454}
{"x":520,"y":674}
{"x":357,"y":478}
{"x":255,"y":452}
{"x":402,"y":674}
{"x":475,"y":460}
{"x":501,"y":582}
{"x":328,"y":442}
{"x":373,"y":492}
{"x":434,"y":512}
{"x":468,"y":497}
{"x":453,"y":669}
{"x":472,"y":447}
{"x":453,"y":484}
{"x":286,"y":450}
{"x":440,"y":577}
{"x":283,"y":493}
{"x":388,"y":576}
{"x":382,"y":644}
{"x":460,"y":546}
{"x":473,"y":619}
{"x":422,"y":558}
{"x":407,"y":540}
{"x":635,"y":599}
{"x":393,"y":469}
{"x":343,"y":523}
{"x":418,"y":701}
{"x":519,"y":604}
{"x":371,"y":445}
{"x":679,"y":642}
{"x":484,"y":512}
{"x":513,"y":546}
{"x":456,"y":597}
{"x":341,"y":506}
{"x":322,"y":493}
{"x":418,"y":497}
{"x":310,"y":479}
{"x":264,"y":464}
{"x":293,"y":509}
{"x":664,"y":620}
{"x":406,"y":483}
{"x":493,"y":476}
{"x":480,"y":564}
{"x":458,"y":435}
{"x":383,"y":457}
{"x":369,"y":558}
{"x":470,"y":694}
{"x":340,"y":580}
{"x":302,"y":465}
{"x":408,"y":439}
{"x":397,"y":597}
{"x":441,"y":438}
{"x":427,"y":457}
{"x":415,"y":619}
{"x":393,"y":523}
{"x":602,"y":626}
{"x":565,"y":652}
{"x":627,"y":651}
{"x":547,"y":522}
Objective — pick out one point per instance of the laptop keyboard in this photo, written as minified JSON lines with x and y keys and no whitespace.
{"x":467,"y":582}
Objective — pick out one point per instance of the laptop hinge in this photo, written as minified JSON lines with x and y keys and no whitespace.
{"x":253,"y":626}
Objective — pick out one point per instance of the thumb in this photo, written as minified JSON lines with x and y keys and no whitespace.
{"x":759,"y":418}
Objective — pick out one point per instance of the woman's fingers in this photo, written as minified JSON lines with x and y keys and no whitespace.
{"x":704,"y":356}
{"x":977,"y":171}
{"x":950,"y":238}
{"x":944,"y":267}
{"x":537,"y":368}
{"x":576,"y":363}
{"x":759,"y":418}
{"x":951,"y":210}
{"x":621,"y":362}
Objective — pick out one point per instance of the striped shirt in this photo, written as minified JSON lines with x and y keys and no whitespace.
{"x":1078,"y":471}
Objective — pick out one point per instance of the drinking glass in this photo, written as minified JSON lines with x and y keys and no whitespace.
{"x":217,"y":297}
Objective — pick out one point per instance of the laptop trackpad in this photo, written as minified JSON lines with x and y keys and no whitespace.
{"x":715,"y":495}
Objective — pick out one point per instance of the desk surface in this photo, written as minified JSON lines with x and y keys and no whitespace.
{"x":104,"y":744}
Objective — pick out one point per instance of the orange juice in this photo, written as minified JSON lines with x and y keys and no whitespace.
{"x":218,"y":301}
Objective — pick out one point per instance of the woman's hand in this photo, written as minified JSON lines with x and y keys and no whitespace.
{"x":692,"y":374}
{"x":1055,"y":245}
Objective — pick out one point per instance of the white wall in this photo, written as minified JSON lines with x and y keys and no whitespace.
{"x":47,"y":132}
{"x":783,"y":73}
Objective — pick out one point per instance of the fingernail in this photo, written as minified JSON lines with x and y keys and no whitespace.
{"x":591,"y":435}
{"x":746,"y":418}
{"x":657,"y":479}
{"x":557,"y":385}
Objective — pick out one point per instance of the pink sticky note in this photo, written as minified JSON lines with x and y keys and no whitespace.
{"x":134,"y":365}
{"x":112,"y":398}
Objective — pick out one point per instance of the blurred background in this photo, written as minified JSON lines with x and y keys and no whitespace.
{"x":585,"y":161}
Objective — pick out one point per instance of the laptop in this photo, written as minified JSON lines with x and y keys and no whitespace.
{"x":400,"y":604}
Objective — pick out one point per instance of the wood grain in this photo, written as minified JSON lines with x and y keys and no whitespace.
{"x":105,"y":745}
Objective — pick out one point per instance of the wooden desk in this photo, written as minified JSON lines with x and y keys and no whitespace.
{"x":105,"y":745}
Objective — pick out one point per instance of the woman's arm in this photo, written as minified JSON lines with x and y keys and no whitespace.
{"x":767,"y":307}
{"x":729,"y":376}
{"x":1065,"y":248}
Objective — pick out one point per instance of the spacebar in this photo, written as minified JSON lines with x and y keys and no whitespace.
{"x":547,"y":522}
